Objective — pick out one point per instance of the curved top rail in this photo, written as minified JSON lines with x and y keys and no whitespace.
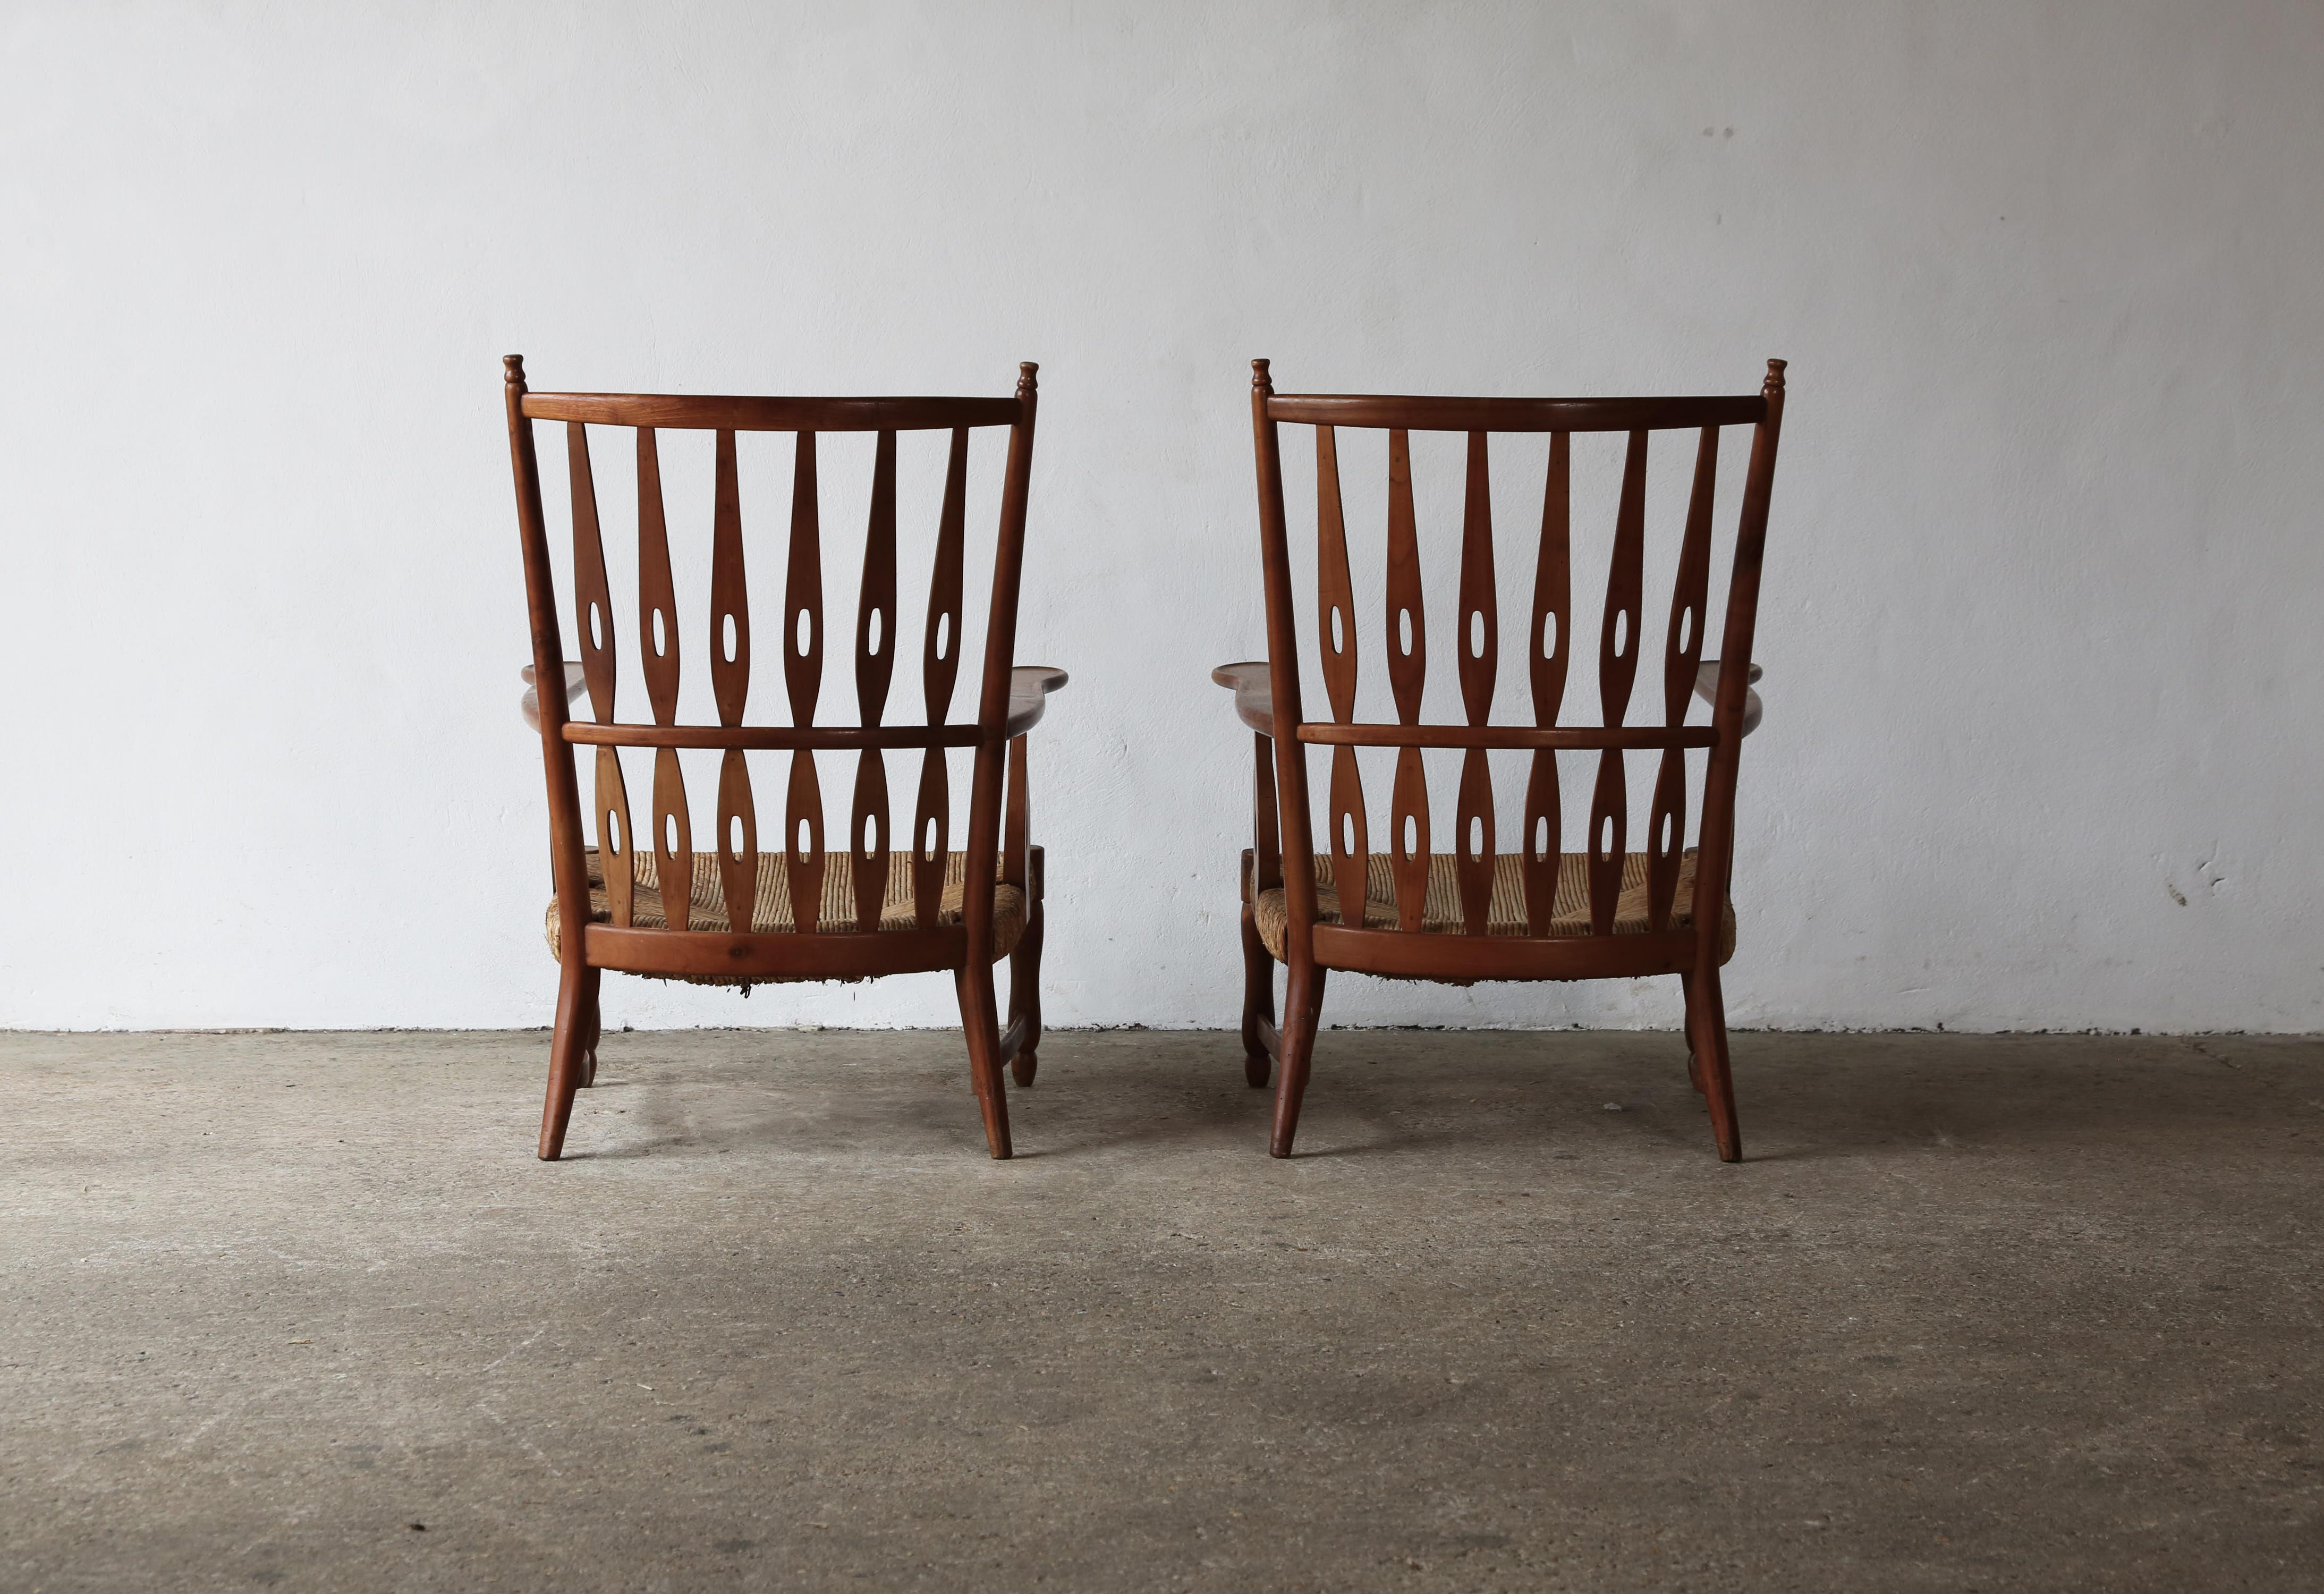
{"x":705,"y":413}
{"x":1430,"y":414}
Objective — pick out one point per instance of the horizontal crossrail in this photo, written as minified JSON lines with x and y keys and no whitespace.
{"x":692,"y":412}
{"x":1330,"y":734}
{"x":1425,"y":414}
{"x":762,"y":737}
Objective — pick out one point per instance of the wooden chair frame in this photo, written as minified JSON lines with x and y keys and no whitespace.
{"x":1267,"y":700}
{"x":1010,"y":704}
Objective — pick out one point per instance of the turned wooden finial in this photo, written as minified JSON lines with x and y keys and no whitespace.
{"x":1775,"y":382}
{"x":1025,"y":383}
{"x":1260,"y":382}
{"x":512,"y":369}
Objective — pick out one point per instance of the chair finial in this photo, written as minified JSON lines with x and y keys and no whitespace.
{"x":1260,"y":382}
{"x":1775,"y":382}
{"x":1025,"y":383}
{"x":512,"y":368}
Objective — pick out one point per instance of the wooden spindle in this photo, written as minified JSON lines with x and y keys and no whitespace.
{"x":939,"y":669}
{"x":875,"y":666}
{"x":657,"y":650}
{"x":730,"y":593}
{"x":1681,"y":656}
{"x":617,"y":846}
{"x":1478,"y":642}
{"x":1336,"y":631}
{"x":738,"y":841}
{"x":1407,"y":673}
{"x":657,"y":598}
{"x":730,"y":682}
{"x":803,"y":677}
{"x":673,"y":840}
{"x":1546,"y":654}
{"x":591,"y":597}
{"x":1617,"y":669}
{"x":594,"y":604}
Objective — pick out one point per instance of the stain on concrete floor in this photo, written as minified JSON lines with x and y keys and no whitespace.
{"x":302,"y":1312}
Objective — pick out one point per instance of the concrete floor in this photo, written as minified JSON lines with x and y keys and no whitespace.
{"x":301,"y":1311}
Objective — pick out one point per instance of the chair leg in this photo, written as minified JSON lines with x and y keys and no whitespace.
{"x":592,"y":1027}
{"x":1302,"y":1006}
{"x":1706,"y":1033}
{"x":980,"y":1018}
{"x":1025,"y":996}
{"x":576,"y":1000}
{"x":1258,"y":1003}
{"x":1693,"y":1064}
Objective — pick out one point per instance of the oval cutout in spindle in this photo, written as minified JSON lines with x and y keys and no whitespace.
{"x":730,"y":638}
{"x":1540,"y":837}
{"x":1668,"y":821}
{"x":1339,"y":631}
{"x":1404,"y":632}
{"x":864,"y":843}
{"x":872,"y":643}
{"x":1686,"y":629}
{"x":928,"y":841}
{"x":735,"y":836}
{"x":669,"y":833}
{"x":1476,"y":835}
{"x":1621,"y":633}
{"x":597,"y":626}
{"x":804,"y":631}
{"x":660,"y":640}
{"x":1606,"y":837}
{"x":944,"y":636}
{"x":1411,"y":835}
{"x":1348,"y":833}
{"x":1549,"y":634}
{"x":613,"y":833}
{"x":1476,"y":633}
{"x":805,"y":839}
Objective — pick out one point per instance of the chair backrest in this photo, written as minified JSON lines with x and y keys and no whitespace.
{"x":878,"y":631}
{"x":1547,"y":650}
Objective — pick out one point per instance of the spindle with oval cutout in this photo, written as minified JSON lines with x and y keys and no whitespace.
{"x":1408,"y":673}
{"x":1546,"y":655}
{"x":803,"y":864}
{"x":730,"y":681}
{"x":939,"y":671}
{"x":875,"y":665}
{"x":1479,"y":641}
{"x":1682,"y":658}
{"x":1336,"y":639}
{"x":592,"y":598}
{"x":1617,"y":669}
{"x":594,"y":616}
{"x":657,"y":651}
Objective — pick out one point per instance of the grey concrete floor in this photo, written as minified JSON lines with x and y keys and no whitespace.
{"x":303,"y":1312}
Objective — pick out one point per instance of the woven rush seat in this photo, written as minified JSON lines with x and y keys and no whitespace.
{"x":771,"y":911}
{"x":1441,"y":913}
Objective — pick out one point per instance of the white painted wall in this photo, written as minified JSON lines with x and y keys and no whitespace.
{"x":2041,"y":625}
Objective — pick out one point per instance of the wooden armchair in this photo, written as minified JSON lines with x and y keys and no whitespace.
{"x":1476,"y":913}
{"x":735,"y":920}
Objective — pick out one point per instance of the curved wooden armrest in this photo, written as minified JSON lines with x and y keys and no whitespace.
{"x":1029,"y":685}
{"x":1706,"y":686}
{"x":576,"y":683}
{"x":1254,"y":694}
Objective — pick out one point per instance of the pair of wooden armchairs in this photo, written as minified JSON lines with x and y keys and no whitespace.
{"x":731,"y":914}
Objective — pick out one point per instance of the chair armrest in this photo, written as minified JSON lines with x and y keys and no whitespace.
{"x":1029,"y":685}
{"x":1254,"y":694}
{"x":576,"y":683}
{"x":1706,"y":686}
